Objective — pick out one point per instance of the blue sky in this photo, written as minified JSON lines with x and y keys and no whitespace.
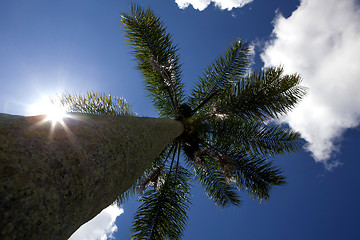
{"x":50,"y":47}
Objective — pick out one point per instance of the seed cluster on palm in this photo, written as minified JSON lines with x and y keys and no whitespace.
{"x":228,"y":137}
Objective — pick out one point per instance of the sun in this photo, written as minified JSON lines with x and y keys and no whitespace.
{"x":53,"y":110}
{"x":55,"y":113}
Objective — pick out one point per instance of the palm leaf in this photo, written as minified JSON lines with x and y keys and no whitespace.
{"x":157,"y":58}
{"x":221,"y":75}
{"x":263,"y":95}
{"x":163,"y":212}
{"x":256,"y":175}
{"x":95,"y":103}
{"x":250,"y":172}
{"x":215,"y":184}
{"x":253,"y":136}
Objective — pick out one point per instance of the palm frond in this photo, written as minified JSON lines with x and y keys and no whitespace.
{"x":163,"y":212}
{"x":215,"y":184}
{"x":157,"y":58}
{"x":256,"y":175}
{"x":221,"y":75}
{"x":264,"y":95}
{"x":250,"y":172}
{"x":95,"y":103}
{"x":253,"y":136}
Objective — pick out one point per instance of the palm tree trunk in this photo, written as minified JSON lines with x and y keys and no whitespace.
{"x":54,"y":179}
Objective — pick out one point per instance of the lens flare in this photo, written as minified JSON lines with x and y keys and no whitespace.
{"x":54,"y":111}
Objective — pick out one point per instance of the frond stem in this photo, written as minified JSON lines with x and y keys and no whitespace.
{"x":178,"y":157}
{"x":173,"y":157}
{"x":172,"y":146}
{"x":172,"y":97}
{"x":208,"y":98}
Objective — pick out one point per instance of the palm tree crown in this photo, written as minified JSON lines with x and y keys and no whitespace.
{"x":227,"y":139}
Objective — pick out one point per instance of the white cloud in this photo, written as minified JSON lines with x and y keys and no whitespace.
{"x":321,"y":41}
{"x":101,"y":227}
{"x":222,"y":4}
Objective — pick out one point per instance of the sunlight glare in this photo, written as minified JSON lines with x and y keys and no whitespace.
{"x":54,"y":111}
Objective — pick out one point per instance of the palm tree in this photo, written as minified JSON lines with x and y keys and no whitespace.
{"x":220,"y":135}
{"x":228,"y":136}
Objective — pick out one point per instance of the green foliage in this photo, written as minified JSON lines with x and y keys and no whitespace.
{"x":163,"y":212}
{"x":253,"y":136}
{"x":157,"y":58}
{"x":216,"y":184}
{"x":95,"y":103}
{"x":256,"y":175}
{"x":220,"y":75}
{"x":267,"y":94}
{"x":250,"y":172}
{"x":229,"y":134}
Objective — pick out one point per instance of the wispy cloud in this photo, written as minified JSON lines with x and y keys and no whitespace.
{"x":100,"y":227}
{"x":321,"y":41}
{"x":222,"y":4}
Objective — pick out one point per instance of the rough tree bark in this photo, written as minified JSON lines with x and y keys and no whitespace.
{"x":53,"y":180}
